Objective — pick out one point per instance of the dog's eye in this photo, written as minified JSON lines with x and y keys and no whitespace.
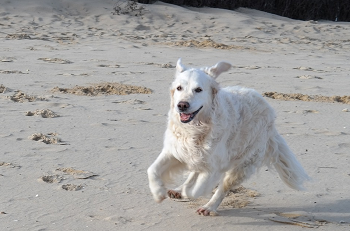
{"x":198,"y":89}
{"x":179,"y":88}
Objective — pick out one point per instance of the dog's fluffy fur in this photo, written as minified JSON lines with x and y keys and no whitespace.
{"x":221,"y":136}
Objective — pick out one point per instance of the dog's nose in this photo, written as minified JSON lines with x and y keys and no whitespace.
{"x":183,"y":106}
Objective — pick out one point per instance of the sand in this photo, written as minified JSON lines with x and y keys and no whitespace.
{"x":84,"y":94}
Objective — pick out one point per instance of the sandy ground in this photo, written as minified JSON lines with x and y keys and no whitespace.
{"x":83,"y":104}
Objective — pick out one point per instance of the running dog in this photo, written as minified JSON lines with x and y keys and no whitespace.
{"x":221,"y":136}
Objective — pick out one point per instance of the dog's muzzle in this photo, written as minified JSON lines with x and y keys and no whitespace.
{"x":188,"y":117}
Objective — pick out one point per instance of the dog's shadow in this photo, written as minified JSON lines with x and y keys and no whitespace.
{"x":305,"y":216}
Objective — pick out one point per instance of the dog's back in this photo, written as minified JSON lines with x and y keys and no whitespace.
{"x":247,"y":118}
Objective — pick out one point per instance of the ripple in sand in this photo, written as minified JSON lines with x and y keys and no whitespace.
{"x":298,"y":218}
{"x":208,"y":43}
{"x":104,"y":89}
{"x":314,"y":98}
{"x":18,"y":36}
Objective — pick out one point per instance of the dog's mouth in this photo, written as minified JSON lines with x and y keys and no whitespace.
{"x":185,"y":117}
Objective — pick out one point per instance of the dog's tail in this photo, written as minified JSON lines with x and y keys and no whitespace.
{"x":283,"y":160}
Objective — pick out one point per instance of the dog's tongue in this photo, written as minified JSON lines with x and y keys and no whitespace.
{"x":184,"y":116}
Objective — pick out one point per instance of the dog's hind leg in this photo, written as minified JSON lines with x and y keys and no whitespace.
{"x":231,"y":180}
{"x":200,"y":184}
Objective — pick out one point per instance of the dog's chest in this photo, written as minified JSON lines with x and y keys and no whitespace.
{"x":191,"y":148}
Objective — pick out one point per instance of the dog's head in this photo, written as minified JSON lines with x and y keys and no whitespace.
{"x":193,"y":90}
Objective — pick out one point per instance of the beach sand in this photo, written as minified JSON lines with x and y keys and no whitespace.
{"x":84,"y":96}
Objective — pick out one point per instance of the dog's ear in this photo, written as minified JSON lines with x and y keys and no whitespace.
{"x":179,"y":66}
{"x":214,"y":91}
{"x":216,"y":70}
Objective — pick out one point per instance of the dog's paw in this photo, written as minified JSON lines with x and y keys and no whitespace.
{"x":174,"y":194}
{"x":206,"y":212}
{"x":159,"y":199}
{"x":159,"y":195}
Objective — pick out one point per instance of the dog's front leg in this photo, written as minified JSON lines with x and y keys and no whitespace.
{"x":159,"y":170}
{"x":178,"y":192}
{"x":214,"y":202}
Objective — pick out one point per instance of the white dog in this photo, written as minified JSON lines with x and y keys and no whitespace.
{"x":221,"y":136}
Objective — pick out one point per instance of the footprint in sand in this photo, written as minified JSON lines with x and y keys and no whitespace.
{"x":249,"y":67}
{"x":10,"y":165}
{"x":2,"y":88}
{"x":118,"y":220}
{"x":304,"y":68}
{"x":165,"y":65}
{"x":50,"y":138}
{"x":309,"y":69}
{"x":106,"y":65}
{"x":52,"y":178}
{"x":7,"y":59}
{"x":308,"y":77}
{"x":45,"y":113}
{"x":64,"y":39}
{"x":21,"y":97}
{"x":135,"y":102}
{"x":72,"y":187}
{"x":77,"y":174}
{"x":56,"y":60}
{"x":12,"y":72}
{"x":309,"y":111}
{"x":72,"y":74}
{"x":131,"y":101}
{"x":303,"y":111}
{"x":57,"y":177}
